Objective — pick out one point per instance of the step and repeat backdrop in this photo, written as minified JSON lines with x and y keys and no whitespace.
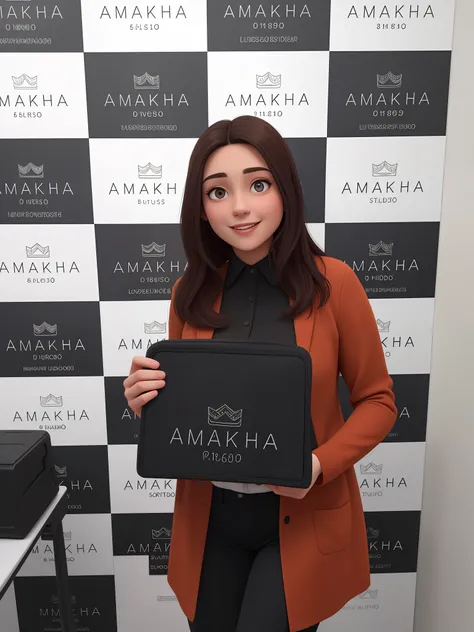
{"x":101,"y":104}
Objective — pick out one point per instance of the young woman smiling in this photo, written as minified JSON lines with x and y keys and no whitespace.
{"x":255,"y":558}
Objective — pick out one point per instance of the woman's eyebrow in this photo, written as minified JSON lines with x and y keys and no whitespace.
{"x":221,"y":174}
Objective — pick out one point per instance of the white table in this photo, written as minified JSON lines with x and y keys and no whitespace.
{"x":13,"y":553}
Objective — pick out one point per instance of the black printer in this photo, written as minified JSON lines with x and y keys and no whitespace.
{"x":28,"y":481}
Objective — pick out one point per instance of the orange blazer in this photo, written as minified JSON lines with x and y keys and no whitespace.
{"x":323,"y":545}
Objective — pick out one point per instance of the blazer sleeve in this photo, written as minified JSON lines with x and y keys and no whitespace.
{"x":175,"y":324}
{"x":363,"y":367}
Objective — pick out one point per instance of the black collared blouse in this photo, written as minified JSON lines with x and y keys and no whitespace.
{"x":255,"y":303}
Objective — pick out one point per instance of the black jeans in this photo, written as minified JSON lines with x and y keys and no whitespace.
{"x":241,"y":585}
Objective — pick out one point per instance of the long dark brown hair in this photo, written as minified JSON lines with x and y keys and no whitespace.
{"x":293,"y":251}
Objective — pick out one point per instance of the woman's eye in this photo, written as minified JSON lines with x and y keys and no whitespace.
{"x":260,"y":182}
{"x":219,"y":189}
{"x":220,"y":192}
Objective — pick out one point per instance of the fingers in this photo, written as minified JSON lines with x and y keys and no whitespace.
{"x":143,"y":387}
{"x":143,"y":375}
{"x":143,"y":382}
{"x":141,"y":400}
{"x":142,"y":362}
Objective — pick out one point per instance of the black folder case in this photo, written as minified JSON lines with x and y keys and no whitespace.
{"x":230,"y":411}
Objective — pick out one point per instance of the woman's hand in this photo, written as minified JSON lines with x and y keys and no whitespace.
{"x":143,"y":382}
{"x":296,"y":492}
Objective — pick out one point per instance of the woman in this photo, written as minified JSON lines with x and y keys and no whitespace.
{"x":254,"y":558}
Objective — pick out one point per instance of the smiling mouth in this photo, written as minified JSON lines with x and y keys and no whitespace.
{"x":245,"y":227}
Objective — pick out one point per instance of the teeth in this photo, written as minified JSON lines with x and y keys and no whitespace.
{"x":246,"y":226}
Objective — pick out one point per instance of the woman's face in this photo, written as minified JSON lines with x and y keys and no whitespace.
{"x":238,"y":190}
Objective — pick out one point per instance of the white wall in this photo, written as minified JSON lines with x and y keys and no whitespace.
{"x":445,"y":589}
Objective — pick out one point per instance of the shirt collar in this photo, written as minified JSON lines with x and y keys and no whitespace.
{"x":236,"y":266}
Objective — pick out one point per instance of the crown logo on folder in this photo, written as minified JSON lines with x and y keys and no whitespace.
{"x":389,"y":80}
{"x":224,"y":416}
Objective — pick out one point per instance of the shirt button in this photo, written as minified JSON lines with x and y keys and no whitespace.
{"x":287,"y":519}
{"x":251,"y":299}
{"x":246,"y":323}
{"x":252,"y":270}
{"x":239,"y":495}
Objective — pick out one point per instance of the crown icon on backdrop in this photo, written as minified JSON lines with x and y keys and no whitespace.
{"x":25,"y":82}
{"x":380,"y":249}
{"x":268,"y":81}
{"x":150,"y":171}
{"x":371,"y":468}
{"x":369,"y":594}
{"x":37,"y":252}
{"x":55,"y":599}
{"x":161,"y":534}
{"x":68,"y":535}
{"x":155,"y":327}
{"x":61,"y":470}
{"x":224,"y":416}
{"x":45,"y":330}
{"x":153,"y":250}
{"x":31,"y":171}
{"x":383,"y":327}
{"x":146,"y":82}
{"x":51,"y":401}
{"x":390,"y":80}
{"x":372,"y":533}
{"x":384,"y":169}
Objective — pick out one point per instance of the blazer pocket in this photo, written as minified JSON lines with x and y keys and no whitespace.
{"x":333,"y":528}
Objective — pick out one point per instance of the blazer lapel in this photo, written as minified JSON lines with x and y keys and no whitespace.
{"x":303,"y":323}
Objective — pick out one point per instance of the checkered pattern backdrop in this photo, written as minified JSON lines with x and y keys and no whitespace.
{"x":100,"y":107}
